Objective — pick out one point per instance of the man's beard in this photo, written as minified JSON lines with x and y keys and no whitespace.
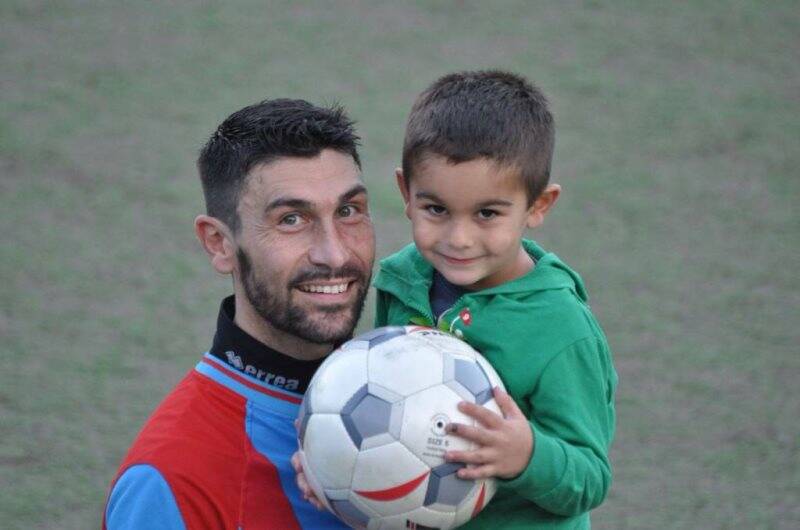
{"x":273,"y":302}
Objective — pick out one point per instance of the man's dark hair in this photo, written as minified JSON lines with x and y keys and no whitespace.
{"x":488,"y":114}
{"x":261,"y":133}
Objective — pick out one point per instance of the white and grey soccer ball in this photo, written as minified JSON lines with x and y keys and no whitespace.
{"x":372,"y":429}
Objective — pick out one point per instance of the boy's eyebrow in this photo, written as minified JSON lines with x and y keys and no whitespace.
{"x":302,"y":204}
{"x":427,"y":195}
{"x":495,"y":202}
{"x":486,"y":204}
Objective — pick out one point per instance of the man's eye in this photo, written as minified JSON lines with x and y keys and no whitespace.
{"x":348,"y":210}
{"x":486,"y":214}
{"x":291,"y":219}
{"x":435,"y":209}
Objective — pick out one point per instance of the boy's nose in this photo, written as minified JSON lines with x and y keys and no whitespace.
{"x":460,"y":236}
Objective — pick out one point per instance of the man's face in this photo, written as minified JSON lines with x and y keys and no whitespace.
{"x":306,"y":245}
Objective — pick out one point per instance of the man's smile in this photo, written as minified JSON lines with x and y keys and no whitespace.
{"x":325,"y":288}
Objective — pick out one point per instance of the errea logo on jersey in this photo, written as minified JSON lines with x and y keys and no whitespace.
{"x":262,"y":375}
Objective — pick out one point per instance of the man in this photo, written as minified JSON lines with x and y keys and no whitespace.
{"x":287,"y":218}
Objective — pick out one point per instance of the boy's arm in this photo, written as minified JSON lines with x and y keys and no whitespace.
{"x":573,"y":424}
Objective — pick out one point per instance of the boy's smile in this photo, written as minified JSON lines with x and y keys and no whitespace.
{"x":468,"y":219}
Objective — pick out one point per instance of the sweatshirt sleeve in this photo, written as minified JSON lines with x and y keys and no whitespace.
{"x":573,"y":424}
{"x":142,"y":498}
{"x":381,"y":308}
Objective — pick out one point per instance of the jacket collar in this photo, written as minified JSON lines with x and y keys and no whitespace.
{"x":408,"y":275}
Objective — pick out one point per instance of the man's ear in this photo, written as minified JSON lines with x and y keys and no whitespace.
{"x":217,"y":241}
{"x":403,"y":185}
{"x":542,"y":205}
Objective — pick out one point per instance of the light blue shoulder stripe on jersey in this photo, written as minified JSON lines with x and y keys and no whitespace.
{"x":275,"y":437}
{"x":272,"y":403}
{"x":141,"y":498}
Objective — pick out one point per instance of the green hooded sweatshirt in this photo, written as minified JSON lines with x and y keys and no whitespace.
{"x":538,"y":332}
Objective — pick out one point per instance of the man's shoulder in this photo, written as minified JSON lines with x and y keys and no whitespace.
{"x":189,"y":446}
{"x":139,"y":494}
{"x":197,"y":417}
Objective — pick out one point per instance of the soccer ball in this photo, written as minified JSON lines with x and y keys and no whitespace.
{"x":372,"y":429}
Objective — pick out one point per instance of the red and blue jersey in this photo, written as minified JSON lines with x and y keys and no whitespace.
{"x":216,"y":452}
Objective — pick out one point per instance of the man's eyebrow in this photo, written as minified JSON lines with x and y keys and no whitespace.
{"x":302,"y":204}
{"x":352,"y":192}
{"x":287,"y":202}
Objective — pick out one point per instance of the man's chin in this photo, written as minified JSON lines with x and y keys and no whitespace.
{"x":328,"y":326}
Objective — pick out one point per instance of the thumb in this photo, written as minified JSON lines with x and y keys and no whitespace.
{"x":507,"y":406}
{"x":296,"y":462}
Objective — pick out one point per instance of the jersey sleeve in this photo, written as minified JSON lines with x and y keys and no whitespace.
{"x":142,"y":498}
{"x":573,"y":423}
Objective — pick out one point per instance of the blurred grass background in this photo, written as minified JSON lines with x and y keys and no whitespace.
{"x":678,"y":129}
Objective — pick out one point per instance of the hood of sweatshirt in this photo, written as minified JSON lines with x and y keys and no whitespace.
{"x":406,"y":272}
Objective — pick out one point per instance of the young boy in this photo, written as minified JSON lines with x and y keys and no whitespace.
{"x":476,"y":167}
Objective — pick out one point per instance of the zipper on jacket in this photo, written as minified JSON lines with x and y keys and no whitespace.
{"x":460,"y":333}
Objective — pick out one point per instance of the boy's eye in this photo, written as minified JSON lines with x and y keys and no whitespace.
{"x":435,"y":209}
{"x":487,"y":214}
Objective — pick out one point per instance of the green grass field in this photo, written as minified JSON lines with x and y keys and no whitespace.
{"x":678,"y":130}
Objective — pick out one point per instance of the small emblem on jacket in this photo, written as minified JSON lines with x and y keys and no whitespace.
{"x":466,"y":316}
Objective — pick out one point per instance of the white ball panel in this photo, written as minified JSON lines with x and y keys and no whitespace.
{"x":424,"y":418}
{"x":445,"y":342}
{"x":329,"y":451}
{"x":312,"y":481}
{"x":382,"y":472}
{"x":405,"y":365}
{"x":339,"y":377}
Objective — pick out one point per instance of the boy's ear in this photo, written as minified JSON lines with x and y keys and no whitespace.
{"x":542,"y":205}
{"x":217,"y":241}
{"x":403,"y":185}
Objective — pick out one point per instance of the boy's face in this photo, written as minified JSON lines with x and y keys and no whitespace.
{"x":468,"y":219}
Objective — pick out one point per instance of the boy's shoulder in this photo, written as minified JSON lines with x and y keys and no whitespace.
{"x":406,"y":265}
{"x":550,"y":277}
{"x":408,"y":255}
{"x":549,"y":302}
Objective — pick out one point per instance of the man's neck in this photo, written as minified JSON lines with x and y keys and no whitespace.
{"x":249,"y":321}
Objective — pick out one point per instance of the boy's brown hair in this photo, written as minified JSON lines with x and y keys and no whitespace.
{"x":486,"y":114}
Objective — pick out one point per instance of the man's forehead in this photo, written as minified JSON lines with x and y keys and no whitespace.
{"x":319,"y":179}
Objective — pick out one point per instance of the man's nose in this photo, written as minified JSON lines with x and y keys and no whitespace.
{"x":328,"y":247}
